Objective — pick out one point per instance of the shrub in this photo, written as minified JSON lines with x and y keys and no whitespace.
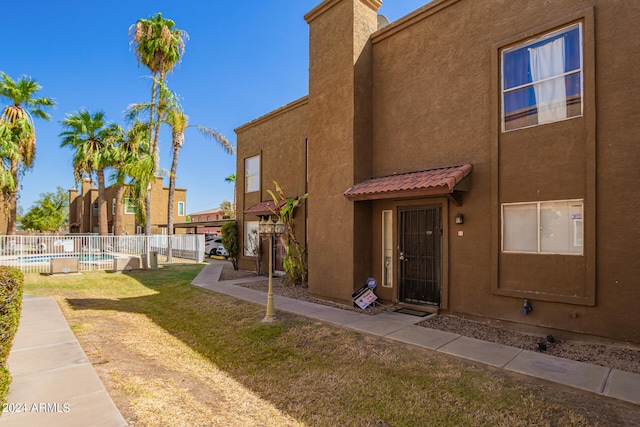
{"x":230,"y":242}
{"x":11,"y":283}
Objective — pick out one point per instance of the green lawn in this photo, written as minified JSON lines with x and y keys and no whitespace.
{"x":306,"y":371}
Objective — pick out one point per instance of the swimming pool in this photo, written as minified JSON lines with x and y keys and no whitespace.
{"x":81,"y":257}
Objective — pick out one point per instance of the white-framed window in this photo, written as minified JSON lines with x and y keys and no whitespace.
{"x":138,"y":229}
{"x":207,"y":217}
{"x":549,"y":227}
{"x":113,"y":206}
{"x":387,"y":248}
{"x":542,"y":79}
{"x":130,"y":206}
{"x":180,"y":208}
{"x":252,"y":174}
{"x":251,"y":238}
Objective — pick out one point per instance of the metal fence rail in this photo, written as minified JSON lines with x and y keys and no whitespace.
{"x":33,"y":253}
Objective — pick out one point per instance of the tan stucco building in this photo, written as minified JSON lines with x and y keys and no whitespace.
{"x":83,"y":210}
{"x":474,"y":157}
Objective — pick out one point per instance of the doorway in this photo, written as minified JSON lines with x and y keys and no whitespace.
{"x":420,"y":255}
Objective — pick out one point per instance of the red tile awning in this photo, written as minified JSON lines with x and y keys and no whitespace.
{"x":262,"y":208}
{"x":428,"y":183}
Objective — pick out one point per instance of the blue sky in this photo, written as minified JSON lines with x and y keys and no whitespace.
{"x":243,"y":59}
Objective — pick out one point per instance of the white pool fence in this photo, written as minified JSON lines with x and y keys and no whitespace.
{"x":33,"y":253}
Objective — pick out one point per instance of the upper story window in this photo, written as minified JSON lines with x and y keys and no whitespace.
{"x":252,"y":174}
{"x":95,"y":208}
{"x":113,"y":206}
{"x":180,"y":208}
{"x":542,"y":79}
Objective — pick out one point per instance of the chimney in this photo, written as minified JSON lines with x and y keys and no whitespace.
{"x":339,"y":134}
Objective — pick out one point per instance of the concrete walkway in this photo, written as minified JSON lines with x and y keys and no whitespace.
{"x":53,"y":384}
{"x":609,"y":382}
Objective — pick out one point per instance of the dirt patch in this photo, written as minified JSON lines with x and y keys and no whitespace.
{"x":623,"y":356}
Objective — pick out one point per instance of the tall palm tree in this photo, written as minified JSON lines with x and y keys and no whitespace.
{"x":18,"y":135}
{"x":179,"y":123}
{"x":94,"y":142}
{"x":232,"y":179}
{"x":159,"y":46}
{"x":129,"y":157}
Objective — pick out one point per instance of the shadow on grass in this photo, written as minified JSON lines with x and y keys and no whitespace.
{"x":324,"y":375}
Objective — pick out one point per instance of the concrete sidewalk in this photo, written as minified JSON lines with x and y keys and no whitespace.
{"x":53,"y":384}
{"x":402,"y":327}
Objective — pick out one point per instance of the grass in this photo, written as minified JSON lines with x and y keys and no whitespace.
{"x":179,"y":355}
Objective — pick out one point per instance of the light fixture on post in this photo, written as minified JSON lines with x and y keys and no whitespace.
{"x":268,"y":229}
{"x":459,"y":219}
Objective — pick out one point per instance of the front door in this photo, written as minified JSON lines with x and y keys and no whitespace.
{"x":420,"y":255}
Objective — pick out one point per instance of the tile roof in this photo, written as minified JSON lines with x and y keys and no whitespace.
{"x":262,"y":208}
{"x":432,"y":182}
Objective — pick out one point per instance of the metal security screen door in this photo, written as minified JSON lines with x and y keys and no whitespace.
{"x":420,"y":255}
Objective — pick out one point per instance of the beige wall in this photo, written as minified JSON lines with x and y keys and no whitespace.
{"x":81,"y":209}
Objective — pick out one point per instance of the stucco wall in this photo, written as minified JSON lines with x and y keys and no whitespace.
{"x":436,"y":103}
{"x":280,"y":138}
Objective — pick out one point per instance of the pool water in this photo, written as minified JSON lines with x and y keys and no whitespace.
{"x":82,"y":258}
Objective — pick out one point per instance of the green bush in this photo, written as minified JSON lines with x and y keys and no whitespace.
{"x":11,"y":283}
{"x":230,"y":242}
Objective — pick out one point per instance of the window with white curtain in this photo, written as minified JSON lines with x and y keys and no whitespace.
{"x":252,"y":174}
{"x":251,"y":238}
{"x":550,"y":227}
{"x":542,"y":79}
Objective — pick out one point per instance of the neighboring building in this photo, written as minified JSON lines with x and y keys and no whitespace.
{"x":83,"y":209}
{"x":471,"y":156}
{"x":215,"y":214}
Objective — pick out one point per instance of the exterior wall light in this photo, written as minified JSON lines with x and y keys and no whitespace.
{"x":268,"y":230}
{"x":459,"y":219}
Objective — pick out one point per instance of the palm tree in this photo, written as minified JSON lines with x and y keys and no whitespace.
{"x":159,"y":47}
{"x":94,"y":142}
{"x":18,"y":136}
{"x":179,"y":123}
{"x":232,"y":210}
{"x":129,"y":157}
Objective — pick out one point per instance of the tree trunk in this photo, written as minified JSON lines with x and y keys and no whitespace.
{"x":12,"y":201}
{"x":103,"y":226}
{"x":153,"y":140}
{"x":13,"y":210}
{"x":118,"y":229}
{"x":177,"y":143}
{"x":147,"y":207}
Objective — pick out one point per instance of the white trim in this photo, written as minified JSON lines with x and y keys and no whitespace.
{"x":387,"y":249}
